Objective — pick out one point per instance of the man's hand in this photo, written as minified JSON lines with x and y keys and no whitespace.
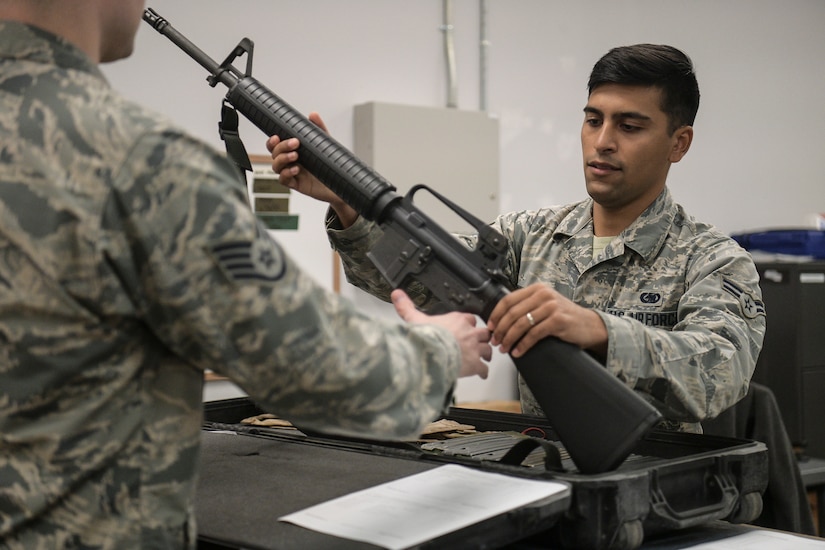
{"x":473,"y":341}
{"x":530,"y":314}
{"x":292,"y":175}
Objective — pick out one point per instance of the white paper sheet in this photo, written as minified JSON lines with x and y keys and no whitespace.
{"x":418,"y":508}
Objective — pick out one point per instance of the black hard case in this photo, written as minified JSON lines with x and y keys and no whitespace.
{"x":672,"y":481}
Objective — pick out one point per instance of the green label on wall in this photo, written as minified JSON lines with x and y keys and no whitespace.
{"x":279,"y":221}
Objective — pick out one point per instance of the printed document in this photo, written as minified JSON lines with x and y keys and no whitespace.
{"x":424,"y":506}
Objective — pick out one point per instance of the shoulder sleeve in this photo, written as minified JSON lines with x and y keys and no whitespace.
{"x":218,"y":290}
{"x":704,"y":365}
{"x":352,"y":245}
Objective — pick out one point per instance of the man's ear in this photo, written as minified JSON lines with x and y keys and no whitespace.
{"x":682,"y":138}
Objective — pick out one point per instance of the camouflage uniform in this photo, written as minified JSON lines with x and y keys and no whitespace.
{"x":680,"y":300}
{"x":129,"y":263}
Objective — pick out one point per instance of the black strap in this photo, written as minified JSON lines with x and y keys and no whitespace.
{"x":228,"y":130}
{"x":519,"y":451}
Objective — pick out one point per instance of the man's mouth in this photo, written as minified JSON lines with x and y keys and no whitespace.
{"x":602,"y":165}
{"x":602,"y":168}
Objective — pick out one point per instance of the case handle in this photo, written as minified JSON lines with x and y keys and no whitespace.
{"x":728,"y":496}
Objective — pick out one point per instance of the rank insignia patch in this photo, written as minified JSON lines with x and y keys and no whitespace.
{"x":750,"y":306}
{"x":261,"y":260}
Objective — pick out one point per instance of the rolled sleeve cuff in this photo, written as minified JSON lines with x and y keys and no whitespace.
{"x":358,"y":230}
{"x":625,"y":351}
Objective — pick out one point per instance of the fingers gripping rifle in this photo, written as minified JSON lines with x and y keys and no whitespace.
{"x":597,"y":418}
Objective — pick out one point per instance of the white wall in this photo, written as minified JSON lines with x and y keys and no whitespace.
{"x":759,"y":137}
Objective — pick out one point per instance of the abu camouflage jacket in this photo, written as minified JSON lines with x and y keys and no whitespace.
{"x":130,"y":262}
{"x":680,"y":300}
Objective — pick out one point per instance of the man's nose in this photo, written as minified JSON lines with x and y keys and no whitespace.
{"x":605,"y":138}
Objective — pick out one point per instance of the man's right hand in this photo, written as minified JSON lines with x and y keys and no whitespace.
{"x":473,"y":340}
{"x":285,"y":163}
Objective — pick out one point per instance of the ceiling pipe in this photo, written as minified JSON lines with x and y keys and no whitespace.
{"x":449,"y":53}
{"x":483,"y":45}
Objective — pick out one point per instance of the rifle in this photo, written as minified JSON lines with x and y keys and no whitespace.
{"x":597,"y":418}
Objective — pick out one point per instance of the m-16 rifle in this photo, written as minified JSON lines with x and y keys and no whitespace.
{"x":597,"y":418}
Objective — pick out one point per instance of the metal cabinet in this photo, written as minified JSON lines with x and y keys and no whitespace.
{"x":792,"y":362}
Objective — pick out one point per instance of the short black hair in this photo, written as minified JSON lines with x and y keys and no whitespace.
{"x":664,"y":67}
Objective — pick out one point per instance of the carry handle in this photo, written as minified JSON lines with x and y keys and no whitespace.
{"x":661,"y":504}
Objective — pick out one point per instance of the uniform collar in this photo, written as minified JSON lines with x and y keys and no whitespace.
{"x":645,"y":235}
{"x":23,"y":42}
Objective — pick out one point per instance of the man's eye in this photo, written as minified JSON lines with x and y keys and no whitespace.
{"x":630,"y":128}
{"x":592,"y":121}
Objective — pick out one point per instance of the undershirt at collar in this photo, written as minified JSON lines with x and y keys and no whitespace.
{"x":599,"y":244}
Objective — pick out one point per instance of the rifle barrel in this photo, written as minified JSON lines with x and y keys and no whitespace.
{"x":165,"y":28}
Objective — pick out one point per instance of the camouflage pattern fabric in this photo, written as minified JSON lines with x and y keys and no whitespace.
{"x":129,"y":263}
{"x":680,"y":300}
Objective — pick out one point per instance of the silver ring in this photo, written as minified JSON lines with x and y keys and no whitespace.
{"x":530,"y":319}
